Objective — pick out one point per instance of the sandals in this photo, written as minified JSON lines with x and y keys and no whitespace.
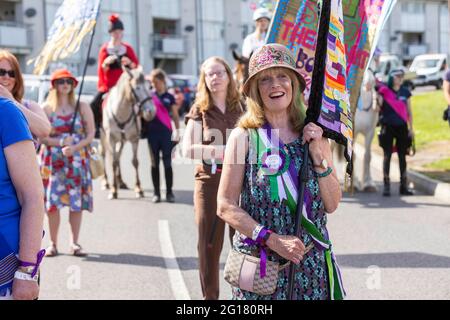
{"x":77,"y":251}
{"x":51,"y":251}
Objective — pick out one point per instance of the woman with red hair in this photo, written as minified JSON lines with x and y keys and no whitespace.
{"x":113,"y":55}
{"x":12,"y":88}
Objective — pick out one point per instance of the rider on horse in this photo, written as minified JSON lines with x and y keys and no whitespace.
{"x":257,"y":39}
{"x":112,"y":56}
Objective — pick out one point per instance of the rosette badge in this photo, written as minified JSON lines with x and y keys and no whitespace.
{"x":274,"y":162}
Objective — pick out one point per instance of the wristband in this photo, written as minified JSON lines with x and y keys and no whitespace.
{"x":40,"y":256}
{"x":25,"y":276}
{"x":61,"y":142}
{"x":256,"y":232}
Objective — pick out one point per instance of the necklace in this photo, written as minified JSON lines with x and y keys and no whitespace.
{"x":66,"y":110}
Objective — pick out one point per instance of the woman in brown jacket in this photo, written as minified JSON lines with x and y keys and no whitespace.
{"x":214,"y":114}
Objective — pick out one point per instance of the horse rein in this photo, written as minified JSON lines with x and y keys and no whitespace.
{"x":133,"y":115}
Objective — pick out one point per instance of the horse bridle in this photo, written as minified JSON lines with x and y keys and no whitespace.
{"x":133,"y":115}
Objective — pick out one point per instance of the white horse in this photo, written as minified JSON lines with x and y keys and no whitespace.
{"x":126,"y":102}
{"x":365,"y":121}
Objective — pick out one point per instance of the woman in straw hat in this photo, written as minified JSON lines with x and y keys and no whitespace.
{"x":258,"y":190}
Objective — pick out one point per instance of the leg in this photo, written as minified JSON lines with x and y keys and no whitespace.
{"x":209,"y":241}
{"x":386,"y":142}
{"x":75,"y":226}
{"x":112,"y":152}
{"x":137,"y":188}
{"x":402,"y":145}
{"x":122,"y":185}
{"x":167,"y":160}
{"x":153,"y":145}
{"x":368,"y":184}
{"x":96,"y":106}
{"x":105,"y":184}
{"x":54,"y":220}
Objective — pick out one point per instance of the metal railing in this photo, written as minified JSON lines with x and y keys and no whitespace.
{"x":168,"y":45}
{"x":14,"y":34}
{"x":412,"y":50}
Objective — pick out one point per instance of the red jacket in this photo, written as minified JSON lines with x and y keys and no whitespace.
{"x":108,"y":79}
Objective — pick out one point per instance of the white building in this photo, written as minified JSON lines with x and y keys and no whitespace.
{"x":417,"y":27}
{"x":173,"y":34}
{"x":178,"y":35}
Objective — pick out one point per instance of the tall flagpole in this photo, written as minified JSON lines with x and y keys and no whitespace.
{"x":315,"y":105}
{"x":91,"y":41}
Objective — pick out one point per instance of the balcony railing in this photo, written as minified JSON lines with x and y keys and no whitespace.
{"x":412,"y":50}
{"x":15,"y":35}
{"x":168,"y":46}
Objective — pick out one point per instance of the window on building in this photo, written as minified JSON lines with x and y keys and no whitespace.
{"x":126,"y":10}
{"x":444,"y":29}
{"x":212,"y":28}
{"x":417,"y":7}
{"x":168,"y":9}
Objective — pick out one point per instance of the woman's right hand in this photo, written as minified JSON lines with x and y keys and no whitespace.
{"x":289,"y":247}
{"x":68,"y":141}
{"x":25,"y":290}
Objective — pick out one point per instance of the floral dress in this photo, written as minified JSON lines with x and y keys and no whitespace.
{"x":67,"y":180}
{"x":311,"y":277}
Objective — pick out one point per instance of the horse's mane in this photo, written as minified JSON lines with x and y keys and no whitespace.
{"x":241,"y":69}
{"x":122,"y":86}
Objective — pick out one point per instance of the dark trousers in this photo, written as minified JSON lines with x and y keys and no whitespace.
{"x":402,"y":142}
{"x":211,"y":231}
{"x":96,"y":106}
{"x":160,"y":142}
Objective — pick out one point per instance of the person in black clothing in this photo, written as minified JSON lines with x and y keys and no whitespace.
{"x":396,"y":124}
{"x":447,"y":96}
{"x":159,"y":134}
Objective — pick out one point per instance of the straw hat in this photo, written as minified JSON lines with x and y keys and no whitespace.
{"x":272,"y":55}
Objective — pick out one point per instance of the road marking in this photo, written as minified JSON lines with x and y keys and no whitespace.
{"x":177,"y":284}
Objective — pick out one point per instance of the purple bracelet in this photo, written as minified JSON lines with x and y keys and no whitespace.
{"x":40,"y":256}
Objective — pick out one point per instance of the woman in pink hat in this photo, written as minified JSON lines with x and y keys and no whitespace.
{"x":65,"y":159}
{"x":259,"y":185}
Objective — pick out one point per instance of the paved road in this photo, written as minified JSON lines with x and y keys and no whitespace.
{"x":139,"y":250}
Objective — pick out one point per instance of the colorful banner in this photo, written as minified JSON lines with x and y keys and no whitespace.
{"x":295,"y":25}
{"x":355,"y":27}
{"x":335,"y":114}
{"x":363,"y":22}
{"x":73,"y":21}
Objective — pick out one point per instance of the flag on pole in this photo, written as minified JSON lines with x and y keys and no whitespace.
{"x":74,"y":19}
{"x":350,"y":44}
{"x":363,"y":22}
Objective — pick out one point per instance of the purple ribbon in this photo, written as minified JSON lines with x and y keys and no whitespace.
{"x":292,"y":171}
{"x":259,"y":243}
{"x":36,"y":265}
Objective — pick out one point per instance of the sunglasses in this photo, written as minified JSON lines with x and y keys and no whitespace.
{"x":63,"y":81}
{"x":10,"y":73}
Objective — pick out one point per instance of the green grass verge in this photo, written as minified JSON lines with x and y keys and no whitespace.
{"x":427,"y":118}
{"x":443,"y":165}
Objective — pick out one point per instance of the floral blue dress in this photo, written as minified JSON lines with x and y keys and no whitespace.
{"x":311,"y":277}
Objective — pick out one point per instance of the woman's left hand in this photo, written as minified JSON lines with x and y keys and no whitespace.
{"x":312,"y":134}
{"x":68,"y":151}
{"x":5,"y":93}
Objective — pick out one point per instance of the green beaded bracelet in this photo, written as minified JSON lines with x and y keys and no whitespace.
{"x":324,"y":174}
